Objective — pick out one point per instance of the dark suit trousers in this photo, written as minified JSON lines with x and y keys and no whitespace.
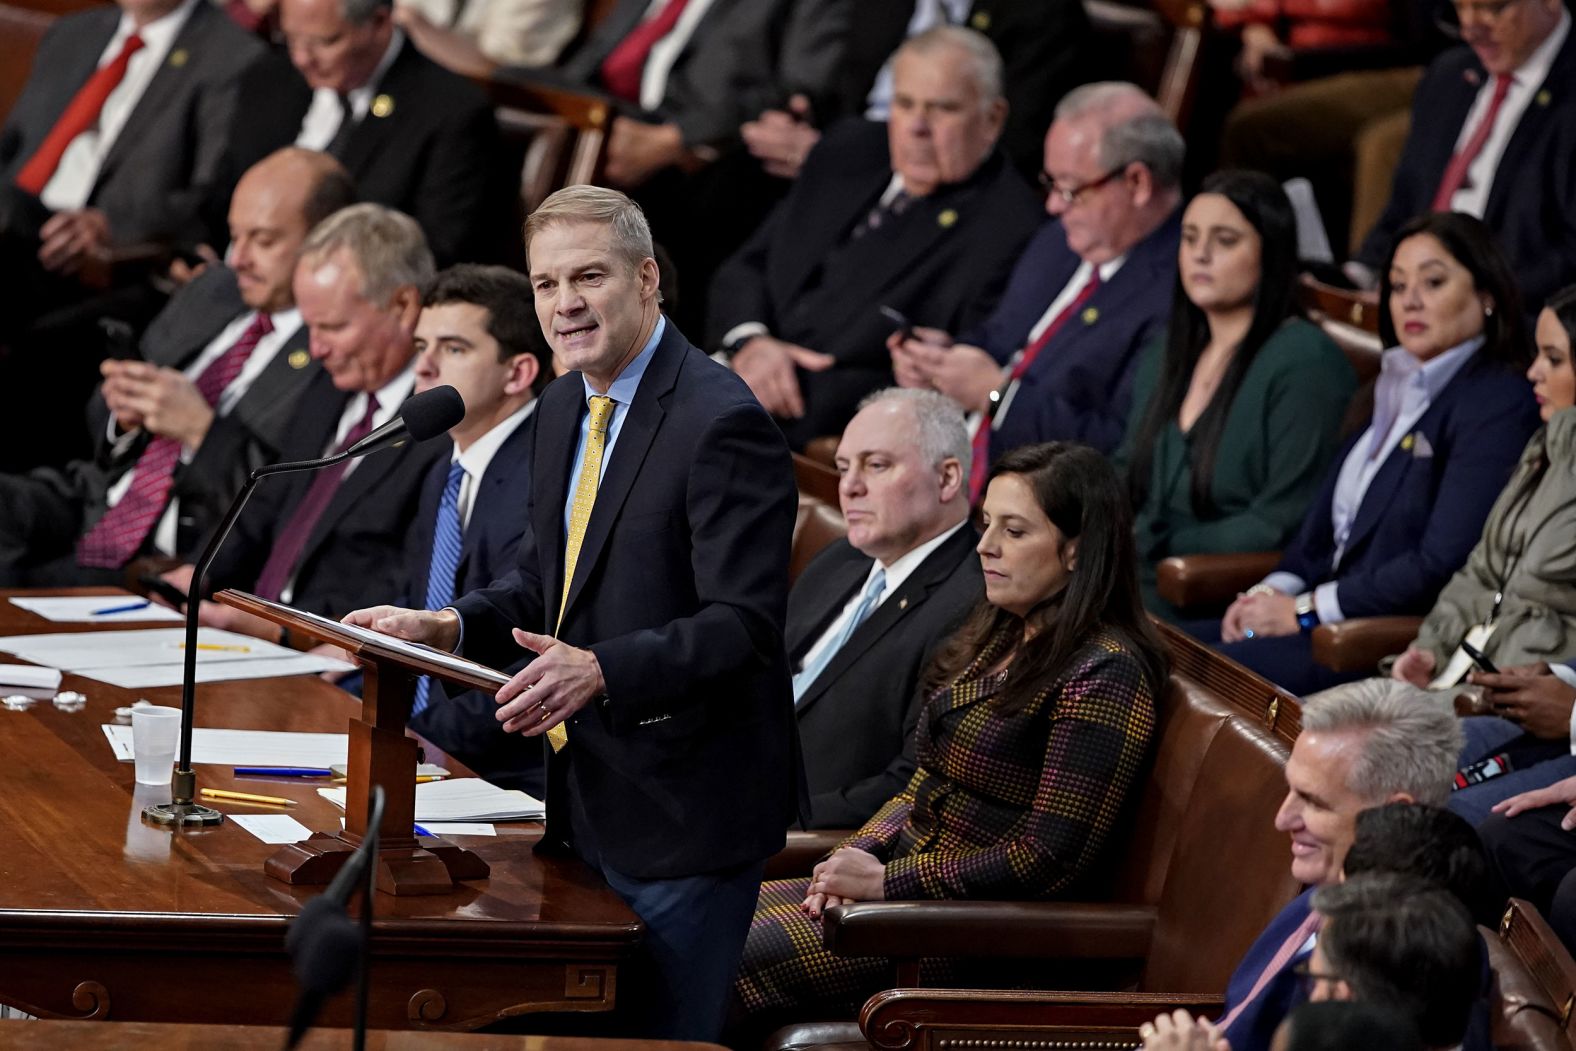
{"x":695,"y":931}
{"x":1285,"y":660}
{"x":1536,"y":859}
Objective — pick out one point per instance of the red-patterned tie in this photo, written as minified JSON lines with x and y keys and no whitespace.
{"x":980,"y":463}
{"x":121,"y":532}
{"x":80,"y":115}
{"x":1456,"y":171}
{"x":624,"y":65}
{"x":292,"y":538}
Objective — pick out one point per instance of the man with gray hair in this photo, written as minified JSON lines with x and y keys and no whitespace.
{"x":332,"y":540}
{"x":1055,"y":359}
{"x":866,"y":614}
{"x":413,"y":135}
{"x":922,"y":215}
{"x":1362,"y":745}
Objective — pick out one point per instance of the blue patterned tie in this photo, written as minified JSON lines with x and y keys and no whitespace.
{"x":811,"y":672}
{"x":447,"y":538}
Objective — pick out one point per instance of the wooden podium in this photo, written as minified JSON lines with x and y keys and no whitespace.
{"x":380,"y":753}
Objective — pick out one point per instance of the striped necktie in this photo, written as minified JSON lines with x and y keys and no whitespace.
{"x":580,"y":516}
{"x":447,"y":539}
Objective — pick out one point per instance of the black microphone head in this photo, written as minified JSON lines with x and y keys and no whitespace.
{"x":324,"y":945}
{"x":432,"y":412}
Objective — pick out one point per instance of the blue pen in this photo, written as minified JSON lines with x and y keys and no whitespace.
{"x":130,"y":607}
{"x":423,"y":832}
{"x":283,"y":771}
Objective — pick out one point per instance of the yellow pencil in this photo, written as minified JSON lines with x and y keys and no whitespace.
{"x":215,"y":647}
{"x":247,"y":797}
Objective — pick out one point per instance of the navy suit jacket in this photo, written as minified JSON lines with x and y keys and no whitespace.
{"x":1255,"y":1026}
{"x":689,"y":764}
{"x":1532,"y":202}
{"x":1080,"y":387}
{"x":465,"y":725}
{"x":1426,"y":506}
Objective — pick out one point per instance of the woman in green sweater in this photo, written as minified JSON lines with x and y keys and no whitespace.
{"x":1243,"y":402}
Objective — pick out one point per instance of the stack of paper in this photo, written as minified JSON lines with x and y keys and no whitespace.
{"x":249,"y":747}
{"x":95,"y":609}
{"x":463,"y":799}
{"x":154,"y":657}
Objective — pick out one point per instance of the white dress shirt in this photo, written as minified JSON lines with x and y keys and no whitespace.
{"x":665,"y":52}
{"x":476,"y":459}
{"x":899,"y":571}
{"x":1472,"y":197}
{"x":72,"y":184}
{"x":286,"y":323}
{"x":323,"y":116}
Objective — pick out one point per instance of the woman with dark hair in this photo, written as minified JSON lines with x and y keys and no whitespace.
{"x":1244,"y":401}
{"x":1406,"y":499}
{"x":1038,"y":719}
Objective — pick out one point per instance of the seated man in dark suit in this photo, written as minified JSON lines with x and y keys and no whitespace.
{"x":177,"y":431}
{"x":478,"y":333}
{"x":329,"y":541}
{"x":924,"y":216}
{"x":1055,"y":360}
{"x":416,"y":137}
{"x":1493,"y":134}
{"x":1362,"y":745}
{"x":865,"y":616}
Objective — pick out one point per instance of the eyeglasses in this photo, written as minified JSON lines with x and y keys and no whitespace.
{"x":1071,"y":195}
{"x":1481,"y":10}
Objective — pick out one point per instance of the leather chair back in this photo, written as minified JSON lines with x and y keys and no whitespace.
{"x":1534,"y":995}
{"x":815,"y":526}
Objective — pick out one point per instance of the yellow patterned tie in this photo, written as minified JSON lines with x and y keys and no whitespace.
{"x":579,"y":516}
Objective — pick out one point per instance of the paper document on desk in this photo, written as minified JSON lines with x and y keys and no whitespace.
{"x":83,"y":609}
{"x":29,"y":676}
{"x":249,"y":747}
{"x":463,"y":799}
{"x":152,"y":657}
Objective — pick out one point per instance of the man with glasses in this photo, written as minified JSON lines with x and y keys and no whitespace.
{"x":1056,"y":357}
{"x":922,"y":215}
{"x":1501,"y":105}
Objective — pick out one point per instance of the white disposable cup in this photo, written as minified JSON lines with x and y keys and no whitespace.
{"x":155,"y":733}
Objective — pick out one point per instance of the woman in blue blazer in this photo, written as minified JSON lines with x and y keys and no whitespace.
{"x":1407,"y":498}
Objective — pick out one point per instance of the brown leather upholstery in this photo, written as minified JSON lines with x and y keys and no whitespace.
{"x":1350,"y":319}
{"x":1358,"y":645}
{"x":1534,"y":983}
{"x":816,"y":478}
{"x":1209,"y":583}
{"x":815,"y":526}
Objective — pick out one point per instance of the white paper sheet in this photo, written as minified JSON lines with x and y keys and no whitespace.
{"x":460,"y":828}
{"x":148,"y":676}
{"x":249,"y":747}
{"x":270,"y":828}
{"x":82,"y":609}
{"x":29,"y":676}
{"x":143,"y":659}
{"x":462,"y":799}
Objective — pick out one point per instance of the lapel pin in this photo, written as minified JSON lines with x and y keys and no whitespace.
{"x":1090,"y":315}
{"x":299,"y":358}
{"x":902,"y":603}
{"x":178,"y":57}
{"x":947,"y":218}
{"x":1544,"y":98}
{"x":1471,"y":77}
{"x":1407,"y":443}
{"x":980,"y":21}
{"x":382,"y":106}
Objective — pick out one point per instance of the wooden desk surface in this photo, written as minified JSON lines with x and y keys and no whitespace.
{"x":97,"y":907}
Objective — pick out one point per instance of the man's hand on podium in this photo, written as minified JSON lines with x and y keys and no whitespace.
{"x":439,"y":629}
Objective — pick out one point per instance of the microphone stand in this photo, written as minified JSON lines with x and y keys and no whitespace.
{"x":181,"y":810}
{"x":374,"y":823}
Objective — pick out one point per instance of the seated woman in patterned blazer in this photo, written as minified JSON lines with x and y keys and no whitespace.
{"x":1038,"y":719}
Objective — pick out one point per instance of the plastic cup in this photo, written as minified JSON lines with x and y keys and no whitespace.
{"x":155,"y":734}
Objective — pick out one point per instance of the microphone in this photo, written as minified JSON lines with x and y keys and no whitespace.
{"x":423,"y":416}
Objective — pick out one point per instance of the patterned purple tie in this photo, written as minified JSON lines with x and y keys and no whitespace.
{"x":291,"y":540}
{"x":123,"y":529}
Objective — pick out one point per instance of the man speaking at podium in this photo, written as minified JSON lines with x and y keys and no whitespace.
{"x":652,"y":586}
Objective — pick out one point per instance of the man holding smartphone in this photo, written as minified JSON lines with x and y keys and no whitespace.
{"x":1531,"y":728}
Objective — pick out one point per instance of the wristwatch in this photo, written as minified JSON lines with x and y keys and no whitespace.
{"x":1307,"y":611}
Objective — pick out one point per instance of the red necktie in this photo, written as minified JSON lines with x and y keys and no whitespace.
{"x":118,"y":535}
{"x":622,"y":68}
{"x":981,"y":458}
{"x":80,"y":115}
{"x":292,"y":539}
{"x":1456,"y":171}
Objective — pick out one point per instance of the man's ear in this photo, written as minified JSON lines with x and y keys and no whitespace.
{"x":952,"y":480}
{"x":406,"y":305}
{"x":1143,"y":182}
{"x":523,"y":369}
{"x":650,"y":278}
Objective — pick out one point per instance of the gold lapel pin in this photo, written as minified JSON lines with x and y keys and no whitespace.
{"x":980,"y":21}
{"x":299,"y":358}
{"x":382,"y":106}
{"x":1544,"y":98}
{"x":947,"y":218}
{"x":902,"y":603}
{"x":178,"y":57}
{"x":1407,"y":443}
{"x":1090,"y":315}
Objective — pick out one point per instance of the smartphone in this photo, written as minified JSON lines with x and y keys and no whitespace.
{"x":905,"y":327}
{"x":1482,"y":662}
{"x":1482,"y":770}
{"x":165,"y":590}
{"x":119,"y":339}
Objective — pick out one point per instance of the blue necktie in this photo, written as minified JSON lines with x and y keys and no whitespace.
{"x":811,"y":672}
{"x":447,"y":538}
